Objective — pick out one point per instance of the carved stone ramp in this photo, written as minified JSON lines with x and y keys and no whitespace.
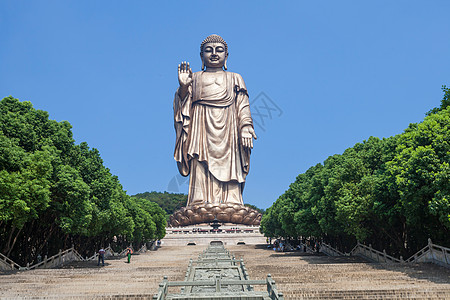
{"x":217,"y":274}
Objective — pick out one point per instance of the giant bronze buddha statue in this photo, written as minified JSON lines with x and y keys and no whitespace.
{"x":214,"y":138}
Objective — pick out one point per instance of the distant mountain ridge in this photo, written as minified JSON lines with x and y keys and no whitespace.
{"x":169,"y":202}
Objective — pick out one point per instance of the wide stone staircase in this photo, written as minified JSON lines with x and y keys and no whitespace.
{"x":314,"y":276}
{"x":85,"y":280}
{"x":298,"y":276}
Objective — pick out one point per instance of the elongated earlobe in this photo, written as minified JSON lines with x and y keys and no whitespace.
{"x":203,"y":65}
{"x":225,"y":64}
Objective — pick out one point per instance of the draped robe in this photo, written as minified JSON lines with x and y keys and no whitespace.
{"x":208,"y":125}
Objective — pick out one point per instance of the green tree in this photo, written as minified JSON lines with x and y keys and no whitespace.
{"x":54,"y":193}
{"x":392,"y":192}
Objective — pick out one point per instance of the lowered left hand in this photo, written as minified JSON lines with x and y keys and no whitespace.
{"x":246,"y":135}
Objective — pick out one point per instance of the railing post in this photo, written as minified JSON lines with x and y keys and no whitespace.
{"x":444,"y":252}
{"x":161,"y":291}
{"x":217,"y":283}
{"x":430,"y":248}
{"x":269,"y":285}
{"x":166,"y":287}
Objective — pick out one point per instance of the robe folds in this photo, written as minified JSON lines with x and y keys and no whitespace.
{"x":208,"y":145}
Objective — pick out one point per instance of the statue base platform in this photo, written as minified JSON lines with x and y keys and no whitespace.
{"x":229,"y":234}
{"x":206,"y":213}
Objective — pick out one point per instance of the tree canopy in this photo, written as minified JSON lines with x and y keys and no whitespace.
{"x":55,"y":193}
{"x":393,"y":193}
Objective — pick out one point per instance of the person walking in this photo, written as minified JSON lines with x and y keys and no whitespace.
{"x":101,"y":257}
{"x":129,"y":252}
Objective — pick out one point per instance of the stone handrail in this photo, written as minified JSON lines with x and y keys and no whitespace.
{"x":418,"y":254}
{"x":274,"y":294}
{"x":372,"y":254}
{"x":330,"y":251}
{"x":143,"y":249}
{"x":308,"y":248}
{"x":7,"y":264}
{"x":56,"y":260}
{"x":432,"y":253}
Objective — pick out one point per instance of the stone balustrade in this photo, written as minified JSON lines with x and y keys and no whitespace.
{"x":430,"y":253}
{"x":63,"y":257}
{"x":206,"y":229}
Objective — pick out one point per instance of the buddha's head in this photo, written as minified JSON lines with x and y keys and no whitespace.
{"x":214,"y":52}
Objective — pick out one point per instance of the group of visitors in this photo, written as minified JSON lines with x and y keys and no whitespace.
{"x":101,"y":255}
{"x":128,"y":252}
{"x":281,"y":245}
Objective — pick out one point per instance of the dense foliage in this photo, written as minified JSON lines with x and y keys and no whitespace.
{"x":393,"y":193}
{"x":55,"y":194}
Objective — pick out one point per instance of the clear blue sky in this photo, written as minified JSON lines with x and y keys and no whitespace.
{"x":337,"y":71}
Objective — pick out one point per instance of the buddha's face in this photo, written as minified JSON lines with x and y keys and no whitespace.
{"x":214,"y":55}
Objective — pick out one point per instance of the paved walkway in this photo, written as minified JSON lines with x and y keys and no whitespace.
{"x":298,"y":276}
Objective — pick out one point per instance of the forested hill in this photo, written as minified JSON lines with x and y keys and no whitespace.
{"x":393,"y":192}
{"x":169,"y":202}
{"x":55,"y":193}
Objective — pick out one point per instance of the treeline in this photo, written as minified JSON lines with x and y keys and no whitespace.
{"x":55,"y":194}
{"x":393,"y":193}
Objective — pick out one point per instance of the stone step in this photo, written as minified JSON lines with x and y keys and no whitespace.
{"x":370,"y":294}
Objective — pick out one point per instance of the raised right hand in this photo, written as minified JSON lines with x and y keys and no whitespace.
{"x":184,"y":74}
